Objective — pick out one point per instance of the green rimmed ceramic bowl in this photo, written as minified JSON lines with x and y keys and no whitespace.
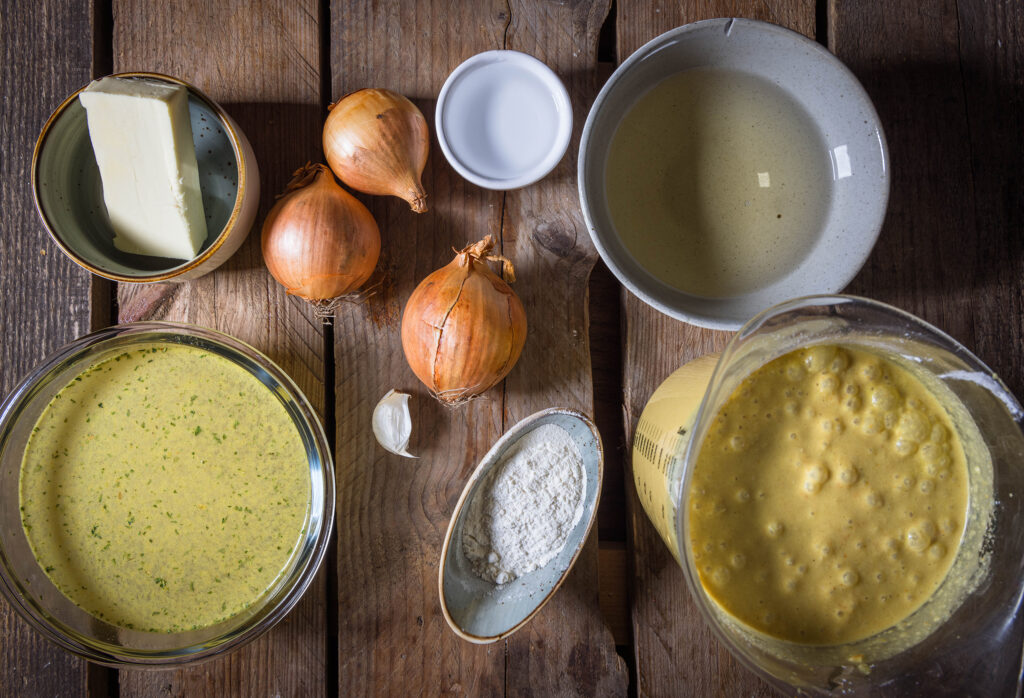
{"x":69,"y":193}
{"x":482,"y":612}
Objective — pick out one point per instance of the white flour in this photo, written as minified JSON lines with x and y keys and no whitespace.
{"x":526,"y":507}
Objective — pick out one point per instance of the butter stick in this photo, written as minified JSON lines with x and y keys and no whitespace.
{"x":142,"y":138}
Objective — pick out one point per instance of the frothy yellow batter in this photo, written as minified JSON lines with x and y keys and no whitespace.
{"x":828,"y":498}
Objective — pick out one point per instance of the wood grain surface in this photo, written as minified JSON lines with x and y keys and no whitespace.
{"x":261,"y":62}
{"x":948,"y":84}
{"x":392,"y":512}
{"x":947,"y":78}
{"x":44,"y":297}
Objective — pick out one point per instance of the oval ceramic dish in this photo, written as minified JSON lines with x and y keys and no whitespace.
{"x":853,"y":146}
{"x":482,"y":612}
{"x":69,"y":193}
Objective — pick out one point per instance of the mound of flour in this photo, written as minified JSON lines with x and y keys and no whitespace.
{"x":527,"y":506}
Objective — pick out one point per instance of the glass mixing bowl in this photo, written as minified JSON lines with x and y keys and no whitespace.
{"x":32,"y":594}
{"x":976,"y":647}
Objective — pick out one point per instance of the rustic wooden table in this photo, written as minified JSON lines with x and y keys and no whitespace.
{"x":947,"y":77}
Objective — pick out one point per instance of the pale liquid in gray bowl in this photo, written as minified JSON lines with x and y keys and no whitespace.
{"x":718,"y":183}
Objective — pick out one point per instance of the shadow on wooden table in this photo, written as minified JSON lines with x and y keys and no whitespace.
{"x":278,"y":132}
{"x":950,"y":248}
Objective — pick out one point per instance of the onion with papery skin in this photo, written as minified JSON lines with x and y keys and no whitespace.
{"x":464,"y":327}
{"x":376,"y":141}
{"x":319,"y":241}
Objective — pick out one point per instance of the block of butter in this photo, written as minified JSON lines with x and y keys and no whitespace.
{"x":142,"y":137}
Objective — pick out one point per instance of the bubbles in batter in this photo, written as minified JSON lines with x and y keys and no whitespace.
{"x":850,"y":503}
{"x":848,"y":476}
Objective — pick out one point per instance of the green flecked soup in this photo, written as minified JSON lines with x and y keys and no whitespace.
{"x":164,"y":489}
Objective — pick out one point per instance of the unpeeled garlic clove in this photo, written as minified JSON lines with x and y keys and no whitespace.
{"x":392,"y":424}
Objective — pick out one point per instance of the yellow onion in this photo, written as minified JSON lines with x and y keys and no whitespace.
{"x":319,"y":241}
{"x":376,"y":141}
{"x":463,"y":328}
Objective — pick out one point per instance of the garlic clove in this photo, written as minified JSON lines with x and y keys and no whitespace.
{"x":392,"y":424}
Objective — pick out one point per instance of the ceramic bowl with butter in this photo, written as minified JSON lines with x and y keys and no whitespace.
{"x":728,"y":165}
{"x":69,"y":192}
{"x":482,"y":611}
{"x":166,"y":495}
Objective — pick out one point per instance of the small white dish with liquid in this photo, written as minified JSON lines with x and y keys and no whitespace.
{"x":503,"y":119}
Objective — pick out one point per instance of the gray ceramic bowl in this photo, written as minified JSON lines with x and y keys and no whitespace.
{"x":833,"y":100}
{"x":69,"y":194}
{"x":482,"y":612}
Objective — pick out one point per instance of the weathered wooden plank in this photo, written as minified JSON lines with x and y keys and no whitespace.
{"x":991,"y":41}
{"x":566,"y":649}
{"x":947,"y":79}
{"x":909,"y":63}
{"x":393,"y":513}
{"x":44,"y":297}
{"x":261,"y":62}
{"x":675,"y":649}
